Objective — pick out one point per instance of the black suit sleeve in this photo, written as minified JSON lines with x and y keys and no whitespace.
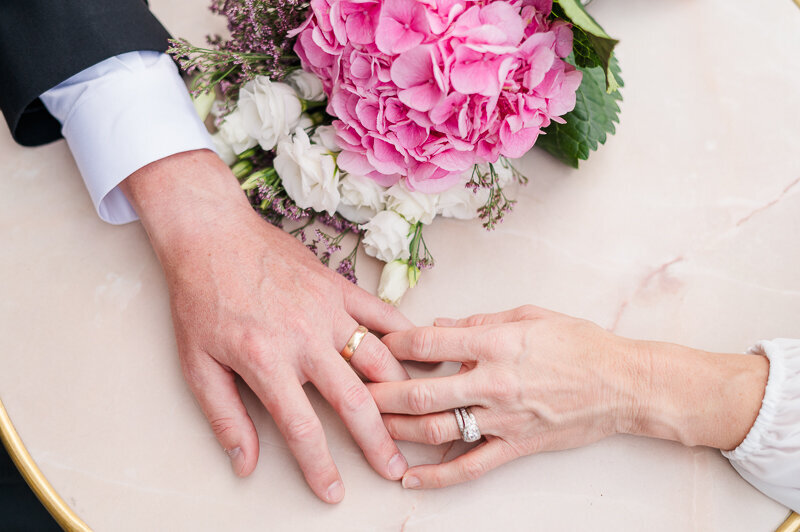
{"x":44,"y":42}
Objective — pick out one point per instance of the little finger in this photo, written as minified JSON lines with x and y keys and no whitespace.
{"x":469,"y":466}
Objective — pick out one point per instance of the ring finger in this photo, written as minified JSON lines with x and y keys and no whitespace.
{"x":436,"y":428}
{"x":371,"y":357}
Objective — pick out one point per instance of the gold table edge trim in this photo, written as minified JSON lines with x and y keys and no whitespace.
{"x":52,"y":501}
{"x":792,"y":524}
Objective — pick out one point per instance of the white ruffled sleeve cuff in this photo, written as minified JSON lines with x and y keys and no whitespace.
{"x":121,"y":115}
{"x":769,"y":456}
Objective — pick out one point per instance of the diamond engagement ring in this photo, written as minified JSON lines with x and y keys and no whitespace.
{"x":467,"y":425}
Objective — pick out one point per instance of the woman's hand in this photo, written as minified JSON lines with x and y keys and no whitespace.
{"x":536,"y":380}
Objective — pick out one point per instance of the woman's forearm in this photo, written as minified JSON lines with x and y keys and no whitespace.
{"x":695,"y":397}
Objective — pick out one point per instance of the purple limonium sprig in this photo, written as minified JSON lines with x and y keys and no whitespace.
{"x":258,"y":45}
{"x":339,"y":224}
{"x":498,"y":204}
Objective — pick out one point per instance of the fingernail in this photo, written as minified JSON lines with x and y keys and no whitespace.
{"x":444,"y":322}
{"x":411,"y":482}
{"x":237,"y":459}
{"x":335,"y":492}
{"x":397,"y":466}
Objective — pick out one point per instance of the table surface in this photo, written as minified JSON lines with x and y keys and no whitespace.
{"x":681,"y":229}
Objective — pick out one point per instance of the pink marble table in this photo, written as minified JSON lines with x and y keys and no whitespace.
{"x":683,"y":228}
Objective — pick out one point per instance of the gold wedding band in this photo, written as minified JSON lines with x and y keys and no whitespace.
{"x":352,"y":344}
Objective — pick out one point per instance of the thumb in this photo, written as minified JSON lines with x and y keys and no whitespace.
{"x":215,"y":389}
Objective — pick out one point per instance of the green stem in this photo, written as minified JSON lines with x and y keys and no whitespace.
{"x":267,"y":176}
{"x":414,"y":247}
{"x":297,"y":231}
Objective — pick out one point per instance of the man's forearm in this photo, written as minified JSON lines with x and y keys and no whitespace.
{"x":183,"y":196}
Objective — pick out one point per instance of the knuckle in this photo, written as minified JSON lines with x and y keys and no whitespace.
{"x":422,"y":342}
{"x":191,"y":373}
{"x":300,"y":327}
{"x":390,"y":422}
{"x":472,"y":469}
{"x":253,"y":348}
{"x":526,"y":312}
{"x":433,"y":432}
{"x":420,"y":399}
{"x":376,"y":359}
{"x":223,"y":427}
{"x":493,"y":343}
{"x":503,"y":388}
{"x":476,"y":320}
{"x":386,"y":312}
{"x":303,"y":429}
{"x":356,"y":398}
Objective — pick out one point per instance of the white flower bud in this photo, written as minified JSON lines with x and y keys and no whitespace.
{"x":305,"y":122}
{"x":326,"y":136}
{"x":394,"y":281}
{"x":203,"y":102}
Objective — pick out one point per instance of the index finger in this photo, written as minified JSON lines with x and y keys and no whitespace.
{"x":434,"y":344}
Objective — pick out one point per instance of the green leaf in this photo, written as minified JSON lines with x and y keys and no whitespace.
{"x":588,"y":125}
{"x":593,"y":35}
{"x":582,"y":48}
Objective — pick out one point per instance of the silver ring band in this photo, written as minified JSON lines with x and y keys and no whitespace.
{"x":467,"y":425}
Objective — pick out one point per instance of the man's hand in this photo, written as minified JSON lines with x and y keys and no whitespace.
{"x":248,"y":299}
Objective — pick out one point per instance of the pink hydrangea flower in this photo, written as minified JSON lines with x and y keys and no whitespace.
{"x":424,"y":89}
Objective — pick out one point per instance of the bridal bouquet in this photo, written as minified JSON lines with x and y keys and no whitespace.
{"x":373,"y":117}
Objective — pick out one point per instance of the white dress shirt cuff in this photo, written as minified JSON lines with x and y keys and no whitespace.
{"x":121,"y":115}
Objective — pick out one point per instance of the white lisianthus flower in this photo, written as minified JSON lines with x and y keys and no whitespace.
{"x":462,"y":202}
{"x":326,"y":136}
{"x":412,"y":205}
{"x":394,"y":281}
{"x":233,"y":132}
{"x":307,"y":85}
{"x":222,"y":148}
{"x":362,"y":198}
{"x":270,"y":110}
{"x":388,"y":237}
{"x":308,"y":173}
